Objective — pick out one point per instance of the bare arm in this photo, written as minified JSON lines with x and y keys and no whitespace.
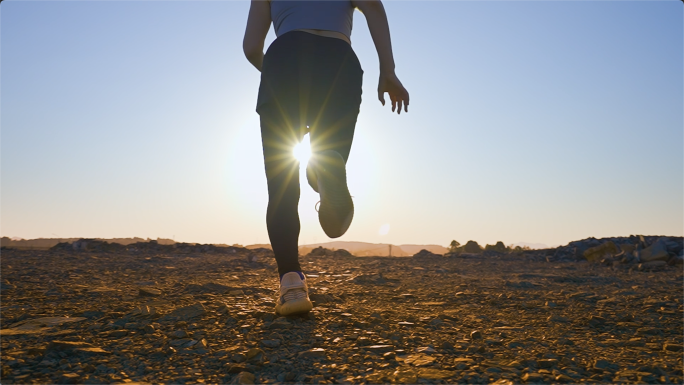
{"x":378,"y":26}
{"x":258,"y":23}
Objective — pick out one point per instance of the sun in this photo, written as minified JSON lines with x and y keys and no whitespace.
{"x":302,"y":151}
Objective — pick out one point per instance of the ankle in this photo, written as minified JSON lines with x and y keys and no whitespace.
{"x":301,"y":275}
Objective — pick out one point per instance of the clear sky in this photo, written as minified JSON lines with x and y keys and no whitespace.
{"x":538,"y":121}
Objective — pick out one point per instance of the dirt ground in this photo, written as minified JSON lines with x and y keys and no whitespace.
{"x":207,"y":317}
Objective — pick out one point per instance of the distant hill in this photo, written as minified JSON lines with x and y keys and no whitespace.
{"x":46,"y":243}
{"x":365,"y":249}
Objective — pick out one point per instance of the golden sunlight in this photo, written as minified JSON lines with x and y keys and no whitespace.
{"x":302,"y":151}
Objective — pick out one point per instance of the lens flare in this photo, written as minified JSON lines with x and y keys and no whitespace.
{"x":302,"y":151}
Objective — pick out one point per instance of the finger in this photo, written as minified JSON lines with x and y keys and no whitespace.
{"x":381,"y":97}
{"x":399,"y":109}
{"x":394,"y":105}
{"x":406,"y":105}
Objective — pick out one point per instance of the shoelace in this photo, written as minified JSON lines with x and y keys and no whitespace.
{"x":294,"y":294}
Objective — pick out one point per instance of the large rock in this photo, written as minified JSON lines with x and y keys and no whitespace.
{"x":425,"y":254}
{"x":655,"y":252}
{"x":597,"y":253}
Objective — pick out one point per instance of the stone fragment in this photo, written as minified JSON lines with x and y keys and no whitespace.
{"x":476,"y":335}
{"x":38,"y":325}
{"x":405,"y":376}
{"x":244,"y":378}
{"x":185,"y":313}
{"x":380,"y":348}
{"x":74,"y":347}
{"x":557,"y":318}
{"x":655,"y":252}
{"x":435,"y":374}
{"x":69,"y":378}
{"x":533,"y":378}
{"x":280,"y":323}
{"x":597,"y":253}
{"x":149,"y":292}
{"x":177,"y":334}
{"x":672,"y":347}
{"x":605,"y":364}
{"x":548,"y":363}
{"x":419,"y":360}
{"x":236,"y":368}
{"x":426,"y":350}
{"x":270,"y":343}
{"x":313,"y":353}
{"x":254,"y":354}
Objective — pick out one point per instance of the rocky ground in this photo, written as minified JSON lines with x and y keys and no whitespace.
{"x":198,"y":314}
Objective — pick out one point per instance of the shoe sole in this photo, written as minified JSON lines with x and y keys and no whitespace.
{"x":294,"y":307}
{"x":337,"y":208}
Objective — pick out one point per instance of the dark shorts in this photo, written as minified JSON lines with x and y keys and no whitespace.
{"x":311,"y":75}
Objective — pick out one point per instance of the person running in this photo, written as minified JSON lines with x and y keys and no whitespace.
{"x":311,"y":83}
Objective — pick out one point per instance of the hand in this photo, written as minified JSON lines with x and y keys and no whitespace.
{"x":389,"y":82}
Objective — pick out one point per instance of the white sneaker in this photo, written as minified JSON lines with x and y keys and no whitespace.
{"x":294,"y":295}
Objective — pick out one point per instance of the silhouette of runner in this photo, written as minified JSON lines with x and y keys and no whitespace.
{"x":311,"y":82}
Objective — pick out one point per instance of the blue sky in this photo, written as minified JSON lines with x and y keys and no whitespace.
{"x":529,"y":121}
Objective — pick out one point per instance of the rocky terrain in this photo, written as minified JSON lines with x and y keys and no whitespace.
{"x":591,"y":311}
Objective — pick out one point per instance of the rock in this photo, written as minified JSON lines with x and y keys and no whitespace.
{"x":549,"y":363}
{"x":69,"y":378}
{"x":419,"y":360}
{"x":426,"y":254}
{"x":185,"y":313}
{"x":655,"y":252}
{"x":149,"y":292}
{"x":74,"y":347}
{"x":434,"y":374}
{"x":254,"y":354}
{"x":605,"y":364}
{"x":564,"y":378}
{"x":557,"y":318}
{"x":426,"y":350}
{"x":380,"y":348}
{"x":533,"y":378}
{"x":476,"y":335}
{"x":653,"y":265}
{"x":38,"y":325}
{"x":597,"y":253}
{"x":270,"y":343}
{"x":244,"y":378}
{"x":280,"y":323}
{"x":236,"y":368}
{"x":313,"y":353}
{"x":405,"y":376}
{"x":672,"y":347}
{"x":178,"y":334}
